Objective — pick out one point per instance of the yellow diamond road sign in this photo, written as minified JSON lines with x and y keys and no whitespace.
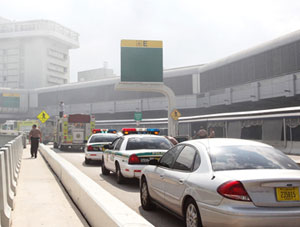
{"x":175,"y":114}
{"x":43,"y":116}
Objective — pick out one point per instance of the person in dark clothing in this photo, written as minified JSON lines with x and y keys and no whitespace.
{"x":35,"y":136}
{"x":202,"y":134}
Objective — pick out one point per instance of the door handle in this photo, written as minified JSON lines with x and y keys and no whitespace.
{"x":181,"y":181}
{"x":161,"y":176}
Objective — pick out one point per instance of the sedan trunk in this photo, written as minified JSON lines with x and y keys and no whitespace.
{"x":268,"y":188}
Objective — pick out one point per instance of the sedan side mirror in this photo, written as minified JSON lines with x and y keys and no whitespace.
{"x":153,"y":162}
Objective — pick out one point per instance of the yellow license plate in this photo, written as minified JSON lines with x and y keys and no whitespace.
{"x":287,"y":194}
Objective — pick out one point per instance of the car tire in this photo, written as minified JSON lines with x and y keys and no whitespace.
{"x":87,"y":161}
{"x":120,"y":178}
{"x":104,"y":170}
{"x":146,"y":200}
{"x":63,"y":148}
{"x":191,"y":214}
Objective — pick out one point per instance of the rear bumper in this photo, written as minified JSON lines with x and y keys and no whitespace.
{"x":251,"y":216}
{"x":94,"y":155}
{"x":74,"y":146}
{"x":132,"y":171}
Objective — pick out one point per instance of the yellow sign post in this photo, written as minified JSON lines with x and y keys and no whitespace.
{"x":175,"y":115}
{"x":43,"y":116}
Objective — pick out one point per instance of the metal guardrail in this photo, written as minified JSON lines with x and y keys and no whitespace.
{"x":10,"y":163}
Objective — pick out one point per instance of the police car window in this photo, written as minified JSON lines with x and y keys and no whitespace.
{"x":185,"y":159}
{"x":168,"y":158}
{"x":148,"y":142}
{"x":114,"y":143}
{"x":118,"y":144}
{"x":103,"y":138}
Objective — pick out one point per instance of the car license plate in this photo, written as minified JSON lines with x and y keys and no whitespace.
{"x":144,"y":160}
{"x":287,"y":194}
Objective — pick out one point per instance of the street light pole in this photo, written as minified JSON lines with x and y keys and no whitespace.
{"x":155,"y":87}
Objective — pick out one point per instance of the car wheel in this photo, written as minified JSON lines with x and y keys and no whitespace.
{"x":87,"y":161}
{"x":146,"y":200}
{"x":120,"y":178}
{"x":191,"y":214}
{"x":104,"y":170}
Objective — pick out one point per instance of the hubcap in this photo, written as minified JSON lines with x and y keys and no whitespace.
{"x":191,"y":216}
{"x":144,"y":194}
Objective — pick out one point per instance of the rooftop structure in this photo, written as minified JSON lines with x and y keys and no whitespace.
{"x":96,"y":74}
{"x":35,"y":53}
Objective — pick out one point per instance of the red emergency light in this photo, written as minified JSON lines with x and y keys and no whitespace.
{"x":127,"y":131}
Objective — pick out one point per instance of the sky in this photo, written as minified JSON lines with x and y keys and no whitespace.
{"x":193,"y":31}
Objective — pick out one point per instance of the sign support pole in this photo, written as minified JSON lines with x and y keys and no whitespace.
{"x":155,"y":87}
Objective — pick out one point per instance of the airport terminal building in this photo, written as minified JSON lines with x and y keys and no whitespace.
{"x":262,"y":77}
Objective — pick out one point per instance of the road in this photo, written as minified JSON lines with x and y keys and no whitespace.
{"x":127,"y":193}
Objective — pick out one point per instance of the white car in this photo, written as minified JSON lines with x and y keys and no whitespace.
{"x":224,"y":182}
{"x":94,"y":147}
{"x":129,"y":154}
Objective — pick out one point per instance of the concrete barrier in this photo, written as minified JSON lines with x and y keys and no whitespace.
{"x":10,"y":192}
{"x":5,"y":210}
{"x":98,"y":206}
{"x":10,"y":162}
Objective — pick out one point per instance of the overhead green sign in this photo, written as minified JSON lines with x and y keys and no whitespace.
{"x":10,"y":100}
{"x":138,"y":116}
{"x":141,"y":61}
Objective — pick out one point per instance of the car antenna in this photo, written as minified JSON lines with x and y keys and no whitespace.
{"x":208,"y":145}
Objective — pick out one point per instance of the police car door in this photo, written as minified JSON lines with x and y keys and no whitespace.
{"x":112,"y":154}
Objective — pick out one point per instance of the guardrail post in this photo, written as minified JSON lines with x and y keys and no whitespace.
{"x":13,"y":182}
{"x":10,"y":192}
{"x":5,"y":210}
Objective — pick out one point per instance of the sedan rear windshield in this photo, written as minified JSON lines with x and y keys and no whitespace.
{"x":249,"y":157}
{"x":159,"y":143}
{"x":103,"y":138}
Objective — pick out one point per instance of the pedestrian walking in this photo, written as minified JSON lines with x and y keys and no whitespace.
{"x":35,"y":136}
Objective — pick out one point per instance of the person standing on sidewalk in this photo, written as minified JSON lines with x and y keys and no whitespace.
{"x":35,"y":136}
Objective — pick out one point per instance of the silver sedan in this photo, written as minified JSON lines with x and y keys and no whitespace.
{"x":224,"y":182}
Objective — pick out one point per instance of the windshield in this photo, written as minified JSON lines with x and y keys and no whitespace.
{"x":159,"y":143}
{"x":249,"y":157}
{"x":103,"y":138}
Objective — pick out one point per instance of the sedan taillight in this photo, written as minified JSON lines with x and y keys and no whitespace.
{"x":133,"y":159}
{"x":234,"y":190}
{"x":90,"y":148}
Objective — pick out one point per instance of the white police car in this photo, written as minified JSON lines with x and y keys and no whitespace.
{"x":129,"y":154}
{"x":94,"y":147}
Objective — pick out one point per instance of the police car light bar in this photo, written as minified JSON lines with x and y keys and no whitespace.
{"x":154,"y":131}
{"x":127,"y":131}
{"x":104,"y":131}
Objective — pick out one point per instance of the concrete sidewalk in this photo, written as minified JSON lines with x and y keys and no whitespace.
{"x":41,"y":200}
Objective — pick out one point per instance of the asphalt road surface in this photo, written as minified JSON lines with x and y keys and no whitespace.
{"x":127,"y":193}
